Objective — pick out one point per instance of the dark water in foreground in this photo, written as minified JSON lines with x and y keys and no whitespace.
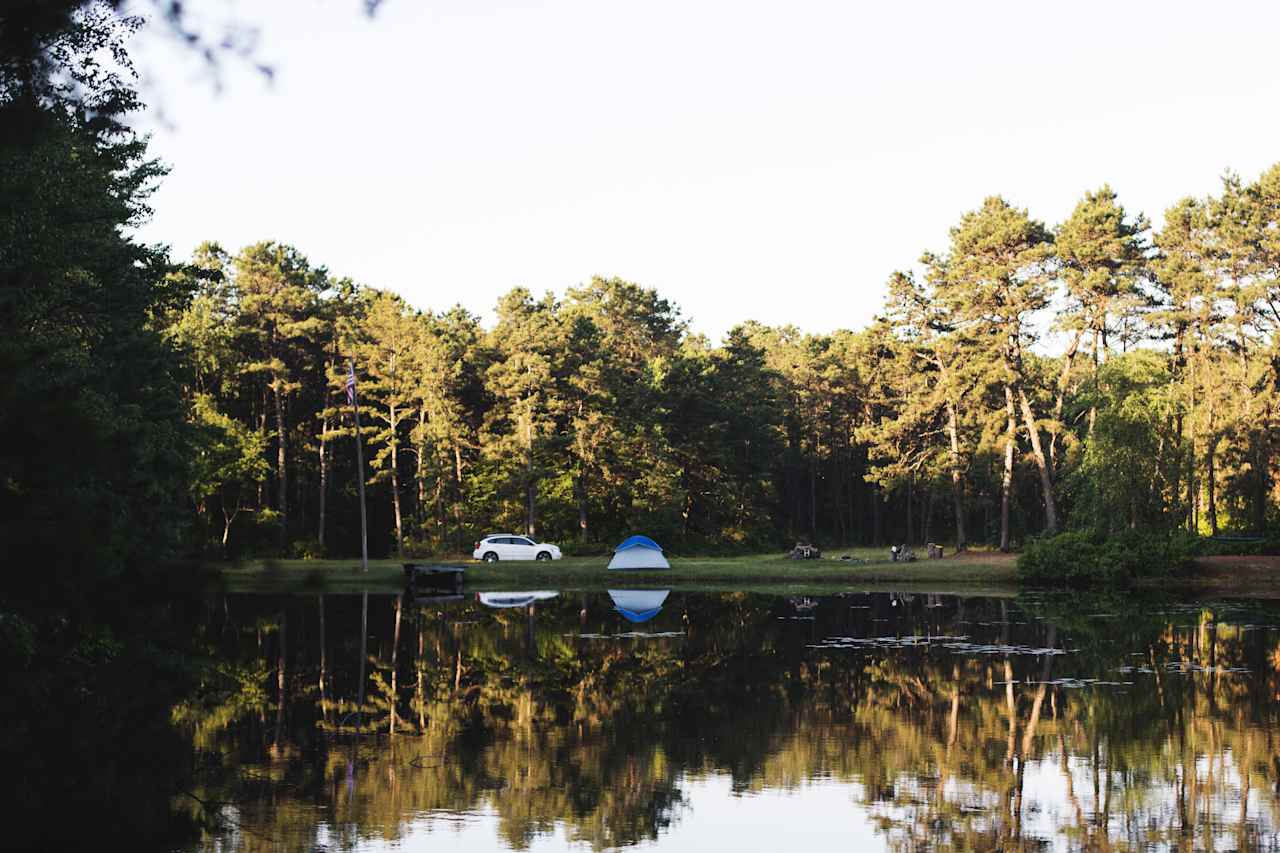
{"x":731,"y":721}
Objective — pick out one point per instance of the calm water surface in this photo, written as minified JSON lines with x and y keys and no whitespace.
{"x":732,"y":721}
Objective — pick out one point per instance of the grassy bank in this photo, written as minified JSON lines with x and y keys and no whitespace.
{"x":868,"y":567}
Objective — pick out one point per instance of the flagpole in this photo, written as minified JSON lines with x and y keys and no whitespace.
{"x":355,"y":410}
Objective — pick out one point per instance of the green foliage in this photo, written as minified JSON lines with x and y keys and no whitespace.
{"x":1080,"y":558}
{"x":1131,"y":457}
{"x":307,"y":549}
{"x":93,"y":440}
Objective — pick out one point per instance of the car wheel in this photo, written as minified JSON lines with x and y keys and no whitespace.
{"x":490,"y":557}
{"x":543,"y":555}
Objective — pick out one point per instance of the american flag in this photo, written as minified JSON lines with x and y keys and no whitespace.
{"x":351,"y":384}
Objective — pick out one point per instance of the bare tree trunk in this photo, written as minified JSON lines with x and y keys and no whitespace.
{"x":324,"y":475}
{"x":441,"y":515}
{"x":395,"y":483}
{"x":262,"y":431}
{"x":1037,"y":451}
{"x":957,"y":486}
{"x":1093,"y":406}
{"x":1211,"y":485}
{"x":227,"y":518}
{"x":531,"y":488}
{"x":420,"y":470}
{"x":1262,"y":470}
{"x":1064,"y":379}
{"x":281,"y":468}
{"x":460,"y":497}
{"x":580,"y":497}
{"x":1006,"y":482}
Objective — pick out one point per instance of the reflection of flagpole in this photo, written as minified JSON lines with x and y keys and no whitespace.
{"x":355,"y":410}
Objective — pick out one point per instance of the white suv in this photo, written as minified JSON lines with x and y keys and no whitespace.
{"x":508,"y":546}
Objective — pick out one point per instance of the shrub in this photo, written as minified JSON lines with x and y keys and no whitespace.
{"x":1081,"y":558}
{"x":307,"y":549}
{"x":585,"y":549}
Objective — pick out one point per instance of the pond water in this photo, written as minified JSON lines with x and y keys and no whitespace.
{"x":733,"y":721}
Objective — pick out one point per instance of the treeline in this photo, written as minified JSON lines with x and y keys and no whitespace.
{"x":153,"y":409}
{"x":583,"y":417}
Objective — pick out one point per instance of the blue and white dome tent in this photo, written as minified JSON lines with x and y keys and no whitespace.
{"x":638,"y":552}
{"x":638,"y":605}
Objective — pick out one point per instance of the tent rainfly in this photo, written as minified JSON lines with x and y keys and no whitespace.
{"x":638,"y":552}
{"x":638,"y":605}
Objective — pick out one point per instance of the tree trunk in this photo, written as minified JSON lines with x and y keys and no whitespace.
{"x":395,"y":483}
{"x":1261,"y":441}
{"x":324,"y":477}
{"x":580,"y":496}
{"x":281,"y":472}
{"x":1211,"y":485}
{"x":262,"y":431}
{"x":1037,"y":451}
{"x":459,"y":497}
{"x":227,"y":518}
{"x":420,"y":470}
{"x":957,"y":486}
{"x":1006,"y":482}
{"x":1064,"y":378}
{"x":910,"y":509}
{"x":1093,"y":405}
{"x":531,"y":488}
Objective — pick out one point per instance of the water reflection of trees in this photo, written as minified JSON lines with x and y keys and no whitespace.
{"x":514,"y":712}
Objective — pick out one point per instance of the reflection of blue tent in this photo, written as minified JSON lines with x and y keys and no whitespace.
{"x":639,"y":552}
{"x":638,"y":605}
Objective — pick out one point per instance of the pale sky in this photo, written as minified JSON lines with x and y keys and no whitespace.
{"x":769,"y":161}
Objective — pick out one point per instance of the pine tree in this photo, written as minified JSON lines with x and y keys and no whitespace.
{"x":279,"y":319}
{"x":992,"y":281}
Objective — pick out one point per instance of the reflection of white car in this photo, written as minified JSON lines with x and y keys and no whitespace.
{"x":513,"y":599}
{"x":508,"y":546}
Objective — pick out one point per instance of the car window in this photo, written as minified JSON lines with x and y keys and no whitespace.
{"x":524,"y":541}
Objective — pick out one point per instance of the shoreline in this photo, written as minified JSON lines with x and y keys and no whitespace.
{"x":973,"y":572}
{"x":985,"y":569}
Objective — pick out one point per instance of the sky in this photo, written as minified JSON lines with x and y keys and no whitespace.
{"x":767,"y":161}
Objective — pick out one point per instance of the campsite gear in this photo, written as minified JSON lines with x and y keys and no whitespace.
{"x":638,"y":552}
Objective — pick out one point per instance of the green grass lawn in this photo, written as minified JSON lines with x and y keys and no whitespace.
{"x":869,"y":567}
